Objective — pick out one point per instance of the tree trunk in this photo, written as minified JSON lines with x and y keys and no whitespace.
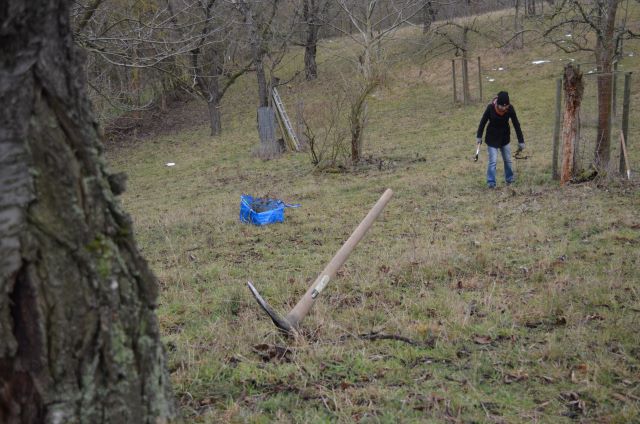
{"x":605,"y":51}
{"x":603,"y":142}
{"x":366,"y":65}
{"x":310,"y":13}
{"x":465,"y":66}
{"x":428,"y":16}
{"x":257,"y":52}
{"x":573,"y":89}
{"x":310,"y":66}
{"x":518,"y":41}
{"x":269,"y":148}
{"x":263,"y":90}
{"x":215,"y":119}
{"x":358,"y":120}
{"x":79,"y":337}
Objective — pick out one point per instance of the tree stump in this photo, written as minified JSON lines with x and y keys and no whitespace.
{"x":573,"y":90}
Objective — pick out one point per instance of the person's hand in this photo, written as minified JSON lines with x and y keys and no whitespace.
{"x":520,"y":147}
{"x":479,"y":140}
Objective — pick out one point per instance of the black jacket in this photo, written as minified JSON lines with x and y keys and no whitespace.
{"x":498,"y":131}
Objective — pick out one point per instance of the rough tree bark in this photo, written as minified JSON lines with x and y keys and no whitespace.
{"x":257,"y":47}
{"x":215,"y":118}
{"x":358,"y":119}
{"x":605,"y":52}
{"x":311,"y":10}
{"x":465,"y":68}
{"x":428,"y":16}
{"x":79,"y":340}
{"x":518,"y":41}
{"x":573,"y":89}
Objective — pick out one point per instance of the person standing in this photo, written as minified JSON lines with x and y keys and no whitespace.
{"x":497,"y":114}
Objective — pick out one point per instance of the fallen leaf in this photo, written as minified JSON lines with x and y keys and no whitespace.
{"x":581,"y":368}
{"x":620,"y":397}
{"x":268,"y":352}
{"x":234,"y":360}
{"x":483,"y":340}
{"x":574,"y":403}
{"x":543,"y":405}
{"x":547,"y":379}
{"x":345,"y":385}
{"x":515,"y":377}
{"x":594,"y":317}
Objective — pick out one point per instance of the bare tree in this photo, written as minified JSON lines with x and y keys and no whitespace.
{"x":374,"y":26}
{"x":126,"y":40}
{"x":192,"y":45}
{"x":455,"y":33}
{"x":80,"y":339}
{"x":217,"y":60}
{"x":329,"y":144}
{"x":268,"y":31}
{"x":587,"y":22}
{"x":313,"y":17}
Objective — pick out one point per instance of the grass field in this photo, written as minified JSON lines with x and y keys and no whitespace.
{"x":521,"y":304}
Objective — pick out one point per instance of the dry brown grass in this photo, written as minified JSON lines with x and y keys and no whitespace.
{"x":524,"y":301}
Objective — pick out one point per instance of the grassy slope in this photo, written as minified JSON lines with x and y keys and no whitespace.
{"x":525,"y":301}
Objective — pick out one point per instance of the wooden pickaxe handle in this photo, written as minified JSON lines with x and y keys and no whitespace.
{"x":289,"y":324}
{"x":303,"y":306}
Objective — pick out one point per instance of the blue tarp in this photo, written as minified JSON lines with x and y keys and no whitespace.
{"x":262,"y":211}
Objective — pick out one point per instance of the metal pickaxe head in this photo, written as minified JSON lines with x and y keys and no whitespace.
{"x":289,"y":324}
{"x":280,"y":322}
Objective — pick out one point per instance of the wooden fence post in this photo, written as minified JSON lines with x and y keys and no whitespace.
{"x":556,"y":131}
{"x":614,"y":91}
{"x":480,"y":79}
{"x":465,"y":81}
{"x":573,"y":90}
{"x":626,"y":102}
{"x":453,"y":71}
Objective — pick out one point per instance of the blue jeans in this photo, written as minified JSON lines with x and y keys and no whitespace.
{"x":491,"y":168}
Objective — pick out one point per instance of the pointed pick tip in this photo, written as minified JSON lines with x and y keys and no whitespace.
{"x":284,"y":325}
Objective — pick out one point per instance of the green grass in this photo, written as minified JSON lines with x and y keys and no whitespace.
{"x":524,"y":302}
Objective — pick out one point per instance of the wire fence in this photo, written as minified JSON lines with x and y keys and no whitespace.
{"x":588,"y":119}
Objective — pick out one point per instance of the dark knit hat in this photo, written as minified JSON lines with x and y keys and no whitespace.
{"x":503,"y":98}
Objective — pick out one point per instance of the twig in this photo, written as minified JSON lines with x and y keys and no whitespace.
{"x":382,"y":336}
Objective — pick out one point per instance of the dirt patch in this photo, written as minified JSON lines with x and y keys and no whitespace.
{"x":180,"y":113}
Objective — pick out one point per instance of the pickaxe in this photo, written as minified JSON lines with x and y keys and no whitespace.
{"x":290,"y":323}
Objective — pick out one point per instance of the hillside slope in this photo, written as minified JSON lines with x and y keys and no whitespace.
{"x":523,"y":302}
